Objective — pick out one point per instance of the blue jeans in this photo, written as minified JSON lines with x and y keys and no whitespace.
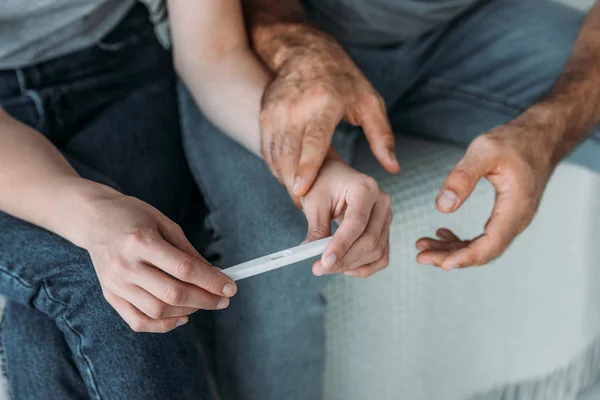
{"x":475,"y":73}
{"x":111,"y":110}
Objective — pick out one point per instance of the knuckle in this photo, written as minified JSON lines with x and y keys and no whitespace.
{"x":213,"y":283}
{"x":141,"y":237}
{"x":206,"y":301}
{"x":370,"y":184}
{"x":137,"y":324}
{"x":185,"y":269}
{"x":266,"y":115}
{"x":173,"y":295}
{"x":460,"y":179}
{"x":156,"y":311}
{"x":380,"y":252}
{"x":373,"y":100}
{"x":316,"y":231}
{"x":313,"y":138}
{"x":386,"y":200}
{"x":359,"y":221}
{"x":369,"y":244}
{"x":176,"y":228}
{"x":385,"y":261}
{"x":363,"y":273}
{"x":322,"y":92}
{"x":487,"y":143}
{"x":112,"y":282}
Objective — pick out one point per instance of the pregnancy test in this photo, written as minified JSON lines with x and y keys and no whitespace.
{"x":277,"y":260}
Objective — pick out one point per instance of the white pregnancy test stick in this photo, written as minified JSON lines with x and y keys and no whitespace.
{"x":277,"y":260}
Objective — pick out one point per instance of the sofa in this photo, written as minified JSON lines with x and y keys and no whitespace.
{"x":525,"y":327}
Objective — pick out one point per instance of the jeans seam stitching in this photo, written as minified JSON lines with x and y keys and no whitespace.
{"x":82,"y":356}
{"x":16,"y":278}
{"x":52,"y":298}
{"x":3,"y":353}
{"x":474,"y":94}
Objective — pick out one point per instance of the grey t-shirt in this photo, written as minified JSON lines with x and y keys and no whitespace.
{"x":383,"y":22}
{"x":32,"y":31}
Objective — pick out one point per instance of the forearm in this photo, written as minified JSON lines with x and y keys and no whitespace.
{"x":228,"y":90}
{"x":572,"y":107}
{"x":37,"y":184}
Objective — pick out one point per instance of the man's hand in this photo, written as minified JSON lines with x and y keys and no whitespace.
{"x":360,"y":246}
{"x":149,"y":272}
{"x":518,"y":160}
{"x":316,"y":85}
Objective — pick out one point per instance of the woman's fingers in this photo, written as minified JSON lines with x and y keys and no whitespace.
{"x":138,"y":321}
{"x":371,"y":245}
{"x":177,"y":293}
{"x":150,"y":305}
{"x":360,"y":200}
{"x":367,"y":270}
{"x":362,"y":252}
{"x":186,"y":268}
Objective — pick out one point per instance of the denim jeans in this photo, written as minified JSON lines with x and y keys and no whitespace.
{"x":475,"y":73}
{"x":112,"y":111}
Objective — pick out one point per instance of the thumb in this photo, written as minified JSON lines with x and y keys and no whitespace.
{"x":319,"y":221}
{"x":462,"y":180}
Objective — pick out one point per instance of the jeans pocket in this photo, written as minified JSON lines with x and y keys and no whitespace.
{"x":135,"y":28}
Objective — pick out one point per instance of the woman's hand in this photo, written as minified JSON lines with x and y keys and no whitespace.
{"x":360,"y":247}
{"x":148,"y":270}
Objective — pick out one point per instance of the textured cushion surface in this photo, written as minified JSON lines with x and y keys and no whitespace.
{"x":521,"y":328}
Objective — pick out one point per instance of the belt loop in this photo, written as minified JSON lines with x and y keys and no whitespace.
{"x":21,"y":80}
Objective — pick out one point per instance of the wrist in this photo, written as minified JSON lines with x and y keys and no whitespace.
{"x":550,"y":122}
{"x":280,"y":44}
{"x":75,"y":209}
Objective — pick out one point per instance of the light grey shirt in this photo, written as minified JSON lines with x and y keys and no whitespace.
{"x":32,"y":31}
{"x":383,"y":22}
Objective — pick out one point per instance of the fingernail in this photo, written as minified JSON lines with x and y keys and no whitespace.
{"x":229,"y":289}
{"x":223,"y":303}
{"x":350,"y":273}
{"x":447,"y":200}
{"x":393,"y":156}
{"x":329,"y":261}
{"x":420,"y":246}
{"x":296,"y":185}
{"x":180,"y":322}
{"x":452,"y":266}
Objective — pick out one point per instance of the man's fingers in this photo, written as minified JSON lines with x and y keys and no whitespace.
{"x":377,"y":129}
{"x":186,"y":268}
{"x":434,"y":244}
{"x":446,"y":234}
{"x":461,"y":182}
{"x":432,"y":257}
{"x":286,"y":155}
{"x":504,"y":225}
{"x":315,"y":145}
{"x":138,"y":321}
